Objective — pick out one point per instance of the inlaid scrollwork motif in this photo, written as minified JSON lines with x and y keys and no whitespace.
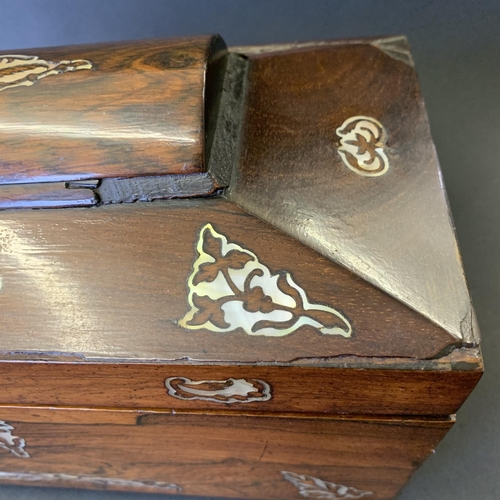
{"x":19,"y":70}
{"x":362,"y":143}
{"x":219,"y":391}
{"x":231,"y":289}
{"x":13,"y":444}
{"x":312,"y":487}
{"x":63,"y":479}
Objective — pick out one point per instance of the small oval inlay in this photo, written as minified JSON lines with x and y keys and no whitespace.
{"x":219,"y":391}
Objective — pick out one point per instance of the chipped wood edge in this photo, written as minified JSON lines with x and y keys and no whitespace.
{"x":457,"y":359}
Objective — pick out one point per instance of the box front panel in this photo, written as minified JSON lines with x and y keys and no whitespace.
{"x":214,"y":454}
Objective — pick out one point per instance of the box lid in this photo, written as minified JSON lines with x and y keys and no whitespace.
{"x":113,"y":110}
{"x":324,"y":278}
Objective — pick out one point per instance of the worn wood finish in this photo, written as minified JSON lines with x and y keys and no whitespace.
{"x":160,"y":187}
{"x":393,"y":230}
{"x":92,"y":282}
{"x":433,"y":389}
{"x":95,"y":192}
{"x":49,"y":195}
{"x":139,"y":110}
{"x":215,"y":455}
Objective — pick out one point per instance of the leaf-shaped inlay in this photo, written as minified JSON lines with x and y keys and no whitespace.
{"x":212,"y":246}
{"x":208,"y":310}
{"x":312,"y":487}
{"x":231,"y":289}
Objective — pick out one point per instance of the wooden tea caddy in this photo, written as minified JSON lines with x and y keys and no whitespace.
{"x":225,"y":272}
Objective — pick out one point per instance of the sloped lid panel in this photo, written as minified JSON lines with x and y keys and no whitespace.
{"x":139,"y":282}
{"x":337,"y":153}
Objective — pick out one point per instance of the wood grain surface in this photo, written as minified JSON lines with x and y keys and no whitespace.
{"x":140,"y":110}
{"x":214,"y":455}
{"x":393,"y":230}
{"x":112,"y":283}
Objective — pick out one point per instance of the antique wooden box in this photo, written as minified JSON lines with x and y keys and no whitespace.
{"x":225,"y":272}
